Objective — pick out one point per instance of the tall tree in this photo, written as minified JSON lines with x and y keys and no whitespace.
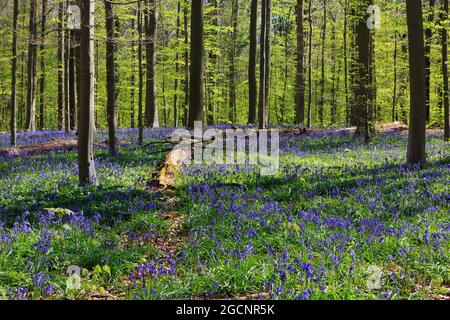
{"x":197,"y":69}
{"x":322,"y":79}
{"x":86,"y":166}
{"x":363,"y":95}
{"x":262,"y":106}
{"x":252,"y":80}
{"x":428,"y":41}
{"x":111,"y":77}
{"x":31,"y":65}
{"x":61,"y":39}
{"x":151,"y":109}
{"x":300,"y":78}
{"x":42,"y":78}
{"x":186,"y":63}
{"x":416,"y":142}
{"x":232,"y":59}
{"x":444,"y":44}
{"x":141,"y":76}
{"x":13,"y":125}
{"x":310,"y":63}
{"x":177,"y":68}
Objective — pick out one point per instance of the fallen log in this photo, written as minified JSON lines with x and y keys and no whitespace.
{"x":40,"y":148}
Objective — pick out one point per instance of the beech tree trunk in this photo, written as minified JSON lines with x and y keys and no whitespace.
{"x":42,"y":78}
{"x":252,"y":82}
{"x":31,"y":65}
{"x":300,"y":79}
{"x":197,"y":69}
{"x":111,"y":77}
{"x":61,"y":45}
{"x":416,"y":143}
{"x":444,"y":44}
{"x":13,"y":125}
{"x":86,"y":166}
{"x":151,"y":110}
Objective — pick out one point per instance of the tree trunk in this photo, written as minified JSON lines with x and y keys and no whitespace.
{"x":196,"y":74}
{"x":86,"y":166}
{"x":347,"y":102}
{"x":186,"y":63}
{"x":141,"y":77}
{"x":13,"y":125}
{"x":333,"y":70}
{"x":363,"y":94}
{"x":394,"y":95}
{"x":42,"y":78}
{"x":428,"y":42}
{"x":300,"y":78}
{"x":310,"y":64}
{"x":177,"y":68}
{"x":31,"y":65}
{"x":111,"y":78}
{"x":416,"y":144}
{"x":61,"y":104}
{"x":133,"y":76}
{"x":444,"y":44}
{"x":151,"y":109}
{"x":232,"y":59}
{"x":252,"y":82}
{"x":262,"y":108}
{"x":322,"y":80}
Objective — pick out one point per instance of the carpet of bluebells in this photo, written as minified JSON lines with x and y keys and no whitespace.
{"x":336,"y":211}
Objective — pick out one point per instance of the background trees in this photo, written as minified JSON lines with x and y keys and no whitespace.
{"x":312,"y":71}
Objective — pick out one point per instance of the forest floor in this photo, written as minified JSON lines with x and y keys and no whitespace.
{"x":319,"y":229}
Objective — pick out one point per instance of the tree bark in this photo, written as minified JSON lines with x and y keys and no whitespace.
{"x":177,"y":68}
{"x":428,"y":41}
{"x":252,"y":80}
{"x":262,"y":108}
{"x":13,"y":125}
{"x":111,"y":77}
{"x":310,"y":64}
{"x":322,"y":80}
{"x":416,"y":143}
{"x":42,"y":78}
{"x":444,"y":44}
{"x":300,"y":78}
{"x":232,"y":58}
{"x":61,"y":45}
{"x":141,"y":76}
{"x":197,"y":69}
{"x":31,"y":65}
{"x":86,"y":166}
{"x":151,"y":109}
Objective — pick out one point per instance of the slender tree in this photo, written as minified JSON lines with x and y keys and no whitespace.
{"x":197,"y":69}
{"x":13,"y":126}
{"x":151,"y":109}
{"x":61,"y":53}
{"x":322,"y":79}
{"x":262,"y":107}
{"x":31,"y":65}
{"x":141,"y":76}
{"x":300,"y":78}
{"x":86,"y":166}
{"x":428,"y":34}
{"x":252,"y":80}
{"x":232,"y":58}
{"x":416,"y":143}
{"x":310,"y":63}
{"x":444,"y":44}
{"x":177,"y":68}
{"x":111,"y":77}
{"x":43,"y":74}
